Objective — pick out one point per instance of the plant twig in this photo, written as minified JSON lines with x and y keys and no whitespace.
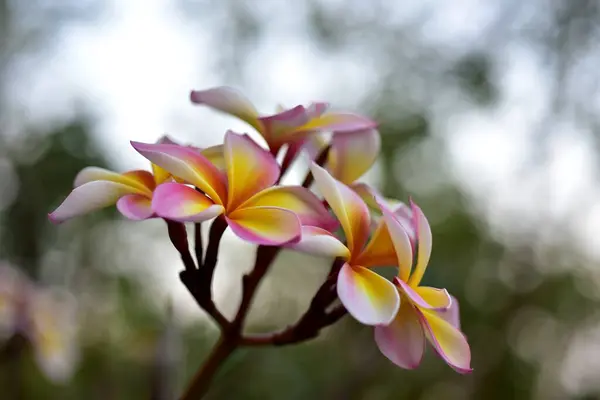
{"x":198,"y":248}
{"x":320,"y":160}
{"x":178,"y":236}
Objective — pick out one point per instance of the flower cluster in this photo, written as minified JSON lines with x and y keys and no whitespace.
{"x":45,"y":318}
{"x":237,"y":183}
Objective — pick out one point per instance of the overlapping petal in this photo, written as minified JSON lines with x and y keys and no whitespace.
{"x":269,"y":226}
{"x":187,"y":164}
{"x":250,"y":169}
{"x":318,"y":241}
{"x":380,"y":250}
{"x":448,"y":341}
{"x":91,"y":174}
{"x":402,"y":341}
{"x":424,"y":241}
{"x":425,"y":297}
{"x":230,"y":101}
{"x":351,"y":211}
{"x":135,"y":207}
{"x":182,"y":203}
{"x":368,"y":297}
{"x":300,"y":200}
{"x":338,"y":122}
{"x":88,"y":197}
{"x":352,"y":154}
{"x":401,"y":242}
{"x":278,"y":128}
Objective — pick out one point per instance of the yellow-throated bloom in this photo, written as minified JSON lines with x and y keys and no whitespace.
{"x":255,"y":209}
{"x":96,"y":188}
{"x":291,"y":126}
{"x":367,"y":296}
{"x":425,"y":312}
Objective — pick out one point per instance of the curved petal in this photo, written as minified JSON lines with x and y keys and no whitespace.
{"x":135,"y":207}
{"x":338,"y":122}
{"x":215,"y":154}
{"x":425,"y":297}
{"x":352,"y":154}
{"x":250,"y":169}
{"x":145,"y":178}
{"x":380,"y":250}
{"x":91,"y":174}
{"x":450,"y":343}
{"x":368,"y":297}
{"x":187,"y":164}
{"x":230,"y":101}
{"x":320,"y":242}
{"x":402,"y":341}
{"x":271,"y":226}
{"x":278,"y":127}
{"x":181,"y":203}
{"x":401,"y":243}
{"x":452,"y":313}
{"x":424,"y":239}
{"x":298,"y":199}
{"x":351,"y":211}
{"x":90,"y":197}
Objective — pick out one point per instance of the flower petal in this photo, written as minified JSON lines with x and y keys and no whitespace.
{"x":452,"y":313}
{"x":424,"y":239}
{"x":401,"y":243}
{"x":135,"y":207}
{"x":300,"y":200}
{"x":230,"y":101}
{"x":338,"y":122}
{"x":347,"y":206}
{"x":368,"y":297}
{"x":250,"y":168}
{"x":279,"y":127}
{"x":402,"y":341}
{"x":90,"y":197}
{"x":145,"y":178}
{"x":449,"y":342}
{"x":187,"y":164}
{"x":352,"y":154}
{"x":215,"y":154}
{"x":91,"y":174}
{"x":434,"y":299}
{"x":182,"y":203}
{"x":320,"y":242}
{"x":271,"y":226}
{"x":380,"y":250}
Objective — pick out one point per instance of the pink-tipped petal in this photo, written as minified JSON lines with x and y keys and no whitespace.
{"x":316,"y":109}
{"x":380,"y":250}
{"x":144,"y":178}
{"x":269,"y":226}
{"x":424,"y":240}
{"x":300,"y":200}
{"x":135,"y":207}
{"x":91,"y":174}
{"x":449,"y":342}
{"x":181,"y":203}
{"x":425,"y":297}
{"x":368,"y":297}
{"x":351,"y":211}
{"x":279,"y":127}
{"x":401,"y":243}
{"x":318,"y":241}
{"x":352,"y":154}
{"x":215,"y":154}
{"x":187,"y":164}
{"x":402,"y":341}
{"x":452,"y":313}
{"x":230,"y":101}
{"x":90,"y":197}
{"x":250,"y":169}
{"x":338,"y":122}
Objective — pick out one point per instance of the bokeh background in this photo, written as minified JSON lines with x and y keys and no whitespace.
{"x":489,"y":116}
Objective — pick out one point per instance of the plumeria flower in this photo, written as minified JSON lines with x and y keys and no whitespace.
{"x":290,"y":126}
{"x":47,"y":318}
{"x":425,"y":312}
{"x":255,"y":210}
{"x":368,"y":297}
{"x":132,"y":191}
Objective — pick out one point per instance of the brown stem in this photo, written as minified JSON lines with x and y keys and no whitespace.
{"x":320,"y":160}
{"x":198,"y":248}
{"x":203,"y":378}
{"x":178,"y":236}
{"x":214,"y":239}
